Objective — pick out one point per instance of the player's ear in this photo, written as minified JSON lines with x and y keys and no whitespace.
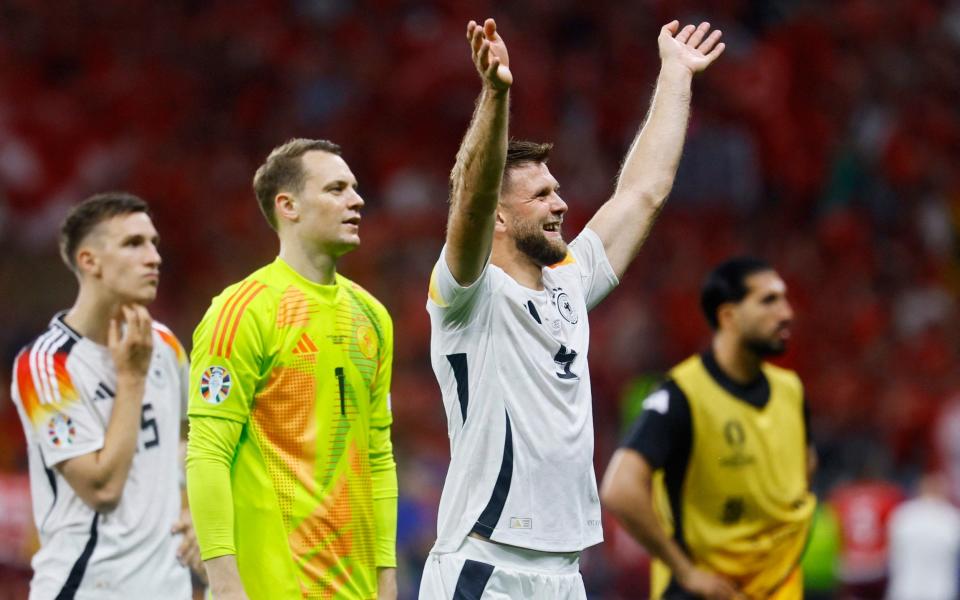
{"x":725,"y":315}
{"x":286,"y":207}
{"x":88,"y":263}
{"x":500,"y":220}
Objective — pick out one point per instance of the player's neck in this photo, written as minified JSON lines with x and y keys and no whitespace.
{"x":319,"y":267}
{"x":90,"y":316}
{"x":739,"y":364}
{"x":517,"y":265}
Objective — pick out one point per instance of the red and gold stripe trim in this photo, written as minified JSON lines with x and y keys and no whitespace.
{"x":567,"y":260}
{"x":229,"y":319}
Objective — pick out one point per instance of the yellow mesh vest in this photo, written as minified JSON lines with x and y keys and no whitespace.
{"x":745,"y":505}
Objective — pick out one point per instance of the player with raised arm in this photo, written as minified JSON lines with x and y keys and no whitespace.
{"x":101,"y":396}
{"x":508,"y":304}
{"x":290,"y":467}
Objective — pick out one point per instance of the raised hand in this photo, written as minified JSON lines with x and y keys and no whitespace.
{"x":490,"y":54}
{"x":131,"y":349}
{"x":690,"y":47}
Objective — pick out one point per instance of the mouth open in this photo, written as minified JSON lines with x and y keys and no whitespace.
{"x":355,"y":221}
{"x":552,"y":229}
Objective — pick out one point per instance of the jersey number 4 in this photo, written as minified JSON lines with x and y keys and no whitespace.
{"x":565,"y":358}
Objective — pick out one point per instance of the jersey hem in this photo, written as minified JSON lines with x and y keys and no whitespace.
{"x":61,"y":457}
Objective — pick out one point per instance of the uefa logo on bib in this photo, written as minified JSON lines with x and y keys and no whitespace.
{"x":215,"y":385}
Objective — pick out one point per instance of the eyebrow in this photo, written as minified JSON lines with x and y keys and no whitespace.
{"x":135,"y":236}
{"x":339,"y":182}
{"x":545,"y":190}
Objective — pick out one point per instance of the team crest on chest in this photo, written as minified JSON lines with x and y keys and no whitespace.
{"x":61,"y":431}
{"x":215,"y":384}
{"x":565,"y":306}
{"x":367,"y":341}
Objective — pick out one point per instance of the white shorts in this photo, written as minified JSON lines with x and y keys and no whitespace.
{"x":485,"y":570}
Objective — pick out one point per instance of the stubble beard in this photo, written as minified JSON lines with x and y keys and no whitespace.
{"x":766,"y":347}
{"x":531,"y":241}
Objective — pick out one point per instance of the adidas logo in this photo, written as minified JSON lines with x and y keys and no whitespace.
{"x":305,"y":345}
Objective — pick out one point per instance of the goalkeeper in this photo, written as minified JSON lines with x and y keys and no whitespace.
{"x":290,"y":465}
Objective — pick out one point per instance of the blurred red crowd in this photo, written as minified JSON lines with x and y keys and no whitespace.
{"x":825,"y":140}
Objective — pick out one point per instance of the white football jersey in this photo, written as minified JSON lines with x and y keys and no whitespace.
{"x":512,"y":368}
{"x":63,"y":386}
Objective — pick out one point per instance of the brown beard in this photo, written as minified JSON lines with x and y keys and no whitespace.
{"x":766,"y":347}
{"x":531,"y":241}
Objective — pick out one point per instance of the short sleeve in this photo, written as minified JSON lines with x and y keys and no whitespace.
{"x":457,"y":303}
{"x":229,"y":346}
{"x":54,"y":410}
{"x":182,"y":364}
{"x":596,"y":274}
{"x":664,"y":429}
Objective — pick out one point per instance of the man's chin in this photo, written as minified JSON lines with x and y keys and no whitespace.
{"x":769,"y":349}
{"x":560,"y":251}
{"x":549,"y":254}
{"x":142,"y":299}
{"x":346,"y":245}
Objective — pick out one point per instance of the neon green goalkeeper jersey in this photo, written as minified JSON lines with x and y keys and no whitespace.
{"x":290,"y":465}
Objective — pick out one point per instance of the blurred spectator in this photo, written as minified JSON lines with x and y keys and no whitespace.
{"x":925,"y":545}
{"x":863,"y":507}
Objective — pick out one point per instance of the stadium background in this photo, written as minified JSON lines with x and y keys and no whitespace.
{"x":826,"y":139}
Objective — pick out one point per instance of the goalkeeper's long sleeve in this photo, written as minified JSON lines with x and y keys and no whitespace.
{"x":210,"y":449}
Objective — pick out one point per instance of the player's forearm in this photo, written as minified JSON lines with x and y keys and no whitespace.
{"x":651,"y":164}
{"x":642,"y":524}
{"x":386,"y":584}
{"x":383,"y":475}
{"x":224,"y":577}
{"x":106,"y":472}
{"x":209,"y":456}
{"x":475,"y":187}
{"x":627,"y":492}
{"x":478,"y":172}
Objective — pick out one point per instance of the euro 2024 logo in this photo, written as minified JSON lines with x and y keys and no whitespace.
{"x":215,"y":384}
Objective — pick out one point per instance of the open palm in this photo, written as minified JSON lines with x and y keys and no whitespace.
{"x":693,"y":47}
{"x":490,"y":54}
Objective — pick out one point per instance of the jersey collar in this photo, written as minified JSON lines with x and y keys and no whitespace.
{"x":326,"y":293}
{"x":756,"y":393}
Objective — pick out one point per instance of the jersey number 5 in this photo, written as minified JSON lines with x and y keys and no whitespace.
{"x":564,"y":358}
{"x":148,"y":422}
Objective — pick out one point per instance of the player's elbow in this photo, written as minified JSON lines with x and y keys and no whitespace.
{"x":612,"y":497}
{"x":652,"y":198}
{"x":104,"y":500}
{"x":105,"y":494}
